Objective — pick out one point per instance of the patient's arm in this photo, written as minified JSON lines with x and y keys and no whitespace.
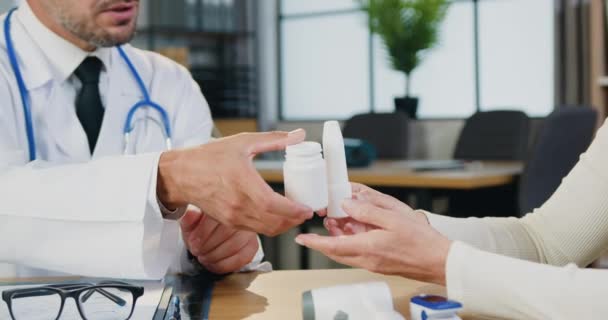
{"x":572,"y":226}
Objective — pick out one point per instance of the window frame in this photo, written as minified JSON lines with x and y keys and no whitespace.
{"x":477,"y":87}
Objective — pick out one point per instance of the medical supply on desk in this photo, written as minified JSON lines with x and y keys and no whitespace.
{"x":432,"y":307}
{"x":305,"y":175}
{"x":174,"y":311}
{"x":359,"y":153}
{"x":129,"y":125}
{"x":338,"y":183}
{"x":363,"y":301}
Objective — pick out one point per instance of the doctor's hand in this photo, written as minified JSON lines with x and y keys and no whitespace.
{"x":395,"y":241}
{"x":220,"y":179}
{"x":218,"y":248}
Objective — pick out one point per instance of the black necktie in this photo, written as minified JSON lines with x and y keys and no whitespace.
{"x":88,"y":102}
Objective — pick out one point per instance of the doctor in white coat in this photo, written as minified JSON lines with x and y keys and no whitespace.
{"x":71,"y":202}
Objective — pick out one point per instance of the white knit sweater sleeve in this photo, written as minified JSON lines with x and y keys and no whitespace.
{"x":491,"y":285}
{"x":571,"y":227}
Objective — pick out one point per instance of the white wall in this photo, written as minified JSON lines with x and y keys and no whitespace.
{"x":5,"y":5}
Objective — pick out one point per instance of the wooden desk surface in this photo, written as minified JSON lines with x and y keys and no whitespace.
{"x":390,"y":173}
{"x":278,"y":295}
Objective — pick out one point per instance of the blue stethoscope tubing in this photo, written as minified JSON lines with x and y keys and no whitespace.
{"x":128,"y":127}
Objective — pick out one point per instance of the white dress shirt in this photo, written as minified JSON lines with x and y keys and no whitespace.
{"x":64,"y":212}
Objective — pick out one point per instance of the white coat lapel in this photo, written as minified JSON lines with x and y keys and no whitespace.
{"x":63,"y":125}
{"x":58,"y":134}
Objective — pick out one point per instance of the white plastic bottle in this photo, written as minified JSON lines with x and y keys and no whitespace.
{"x":305,"y":175}
{"x":337,"y":173}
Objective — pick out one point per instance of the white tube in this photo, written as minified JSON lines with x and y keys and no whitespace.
{"x":337,"y":173}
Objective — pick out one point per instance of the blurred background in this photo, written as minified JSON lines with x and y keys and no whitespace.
{"x":516,"y":82}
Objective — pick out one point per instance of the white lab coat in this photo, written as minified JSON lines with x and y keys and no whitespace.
{"x":66,"y":213}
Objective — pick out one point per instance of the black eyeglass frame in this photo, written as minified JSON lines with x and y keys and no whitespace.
{"x":74,"y":290}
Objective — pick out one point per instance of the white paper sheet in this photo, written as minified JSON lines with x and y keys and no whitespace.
{"x":144,"y":309}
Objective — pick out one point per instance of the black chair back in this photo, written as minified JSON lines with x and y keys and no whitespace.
{"x":387,"y":132}
{"x":494,"y":135}
{"x":564,"y":135}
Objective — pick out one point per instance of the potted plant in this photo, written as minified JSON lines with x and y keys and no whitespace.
{"x":408,"y":29}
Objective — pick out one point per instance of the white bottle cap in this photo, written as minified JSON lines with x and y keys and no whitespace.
{"x":337,"y":172}
{"x":304,"y":148}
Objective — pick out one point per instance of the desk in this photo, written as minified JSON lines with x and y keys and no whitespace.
{"x":278,"y":295}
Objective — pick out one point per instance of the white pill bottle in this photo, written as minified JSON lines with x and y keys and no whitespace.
{"x":305,"y":175}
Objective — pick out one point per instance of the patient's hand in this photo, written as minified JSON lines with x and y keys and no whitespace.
{"x":346,"y":226}
{"x":385,"y":236}
{"x":349,"y":226}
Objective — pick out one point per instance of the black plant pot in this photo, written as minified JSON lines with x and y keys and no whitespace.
{"x":407,"y":105}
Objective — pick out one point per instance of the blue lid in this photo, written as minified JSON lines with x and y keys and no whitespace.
{"x":436,"y":302}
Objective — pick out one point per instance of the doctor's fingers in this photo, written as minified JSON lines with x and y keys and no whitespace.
{"x":220,"y":235}
{"x":260,"y":222}
{"x":272,"y":225}
{"x":280,"y":214}
{"x":264,"y":211}
{"x":190,"y":221}
{"x":272,"y":141}
{"x":235,"y":262}
{"x":282,"y":207}
{"x":363,"y":192}
{"x":266,"y":200}
{"x":208,"y":235}
{"x":228,"y":247}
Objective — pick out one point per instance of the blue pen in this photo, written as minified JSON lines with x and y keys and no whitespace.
{"x":174,"y":309}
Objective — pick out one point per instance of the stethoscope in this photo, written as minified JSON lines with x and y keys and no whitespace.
{"x":129,"y":125}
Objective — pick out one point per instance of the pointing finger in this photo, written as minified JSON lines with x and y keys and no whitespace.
{"x":275,"y":141}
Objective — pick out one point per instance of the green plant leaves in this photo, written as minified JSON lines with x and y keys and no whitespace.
{"x":407,"y":27}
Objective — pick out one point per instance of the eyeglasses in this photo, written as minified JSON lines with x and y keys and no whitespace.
{"x":105,"y":300}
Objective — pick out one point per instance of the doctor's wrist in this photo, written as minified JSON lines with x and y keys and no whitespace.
{"x":167,"y":183}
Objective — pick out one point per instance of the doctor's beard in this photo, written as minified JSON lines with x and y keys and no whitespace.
{"x":85,"y":26}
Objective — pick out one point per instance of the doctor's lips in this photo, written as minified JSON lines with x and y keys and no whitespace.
{"x":122,"y":11}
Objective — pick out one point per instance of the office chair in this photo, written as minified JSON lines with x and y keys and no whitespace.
{"x":494,"y":135}
{"x":387,"y":132}
{"x":564,"y":135}
{"x":490,"y":136}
